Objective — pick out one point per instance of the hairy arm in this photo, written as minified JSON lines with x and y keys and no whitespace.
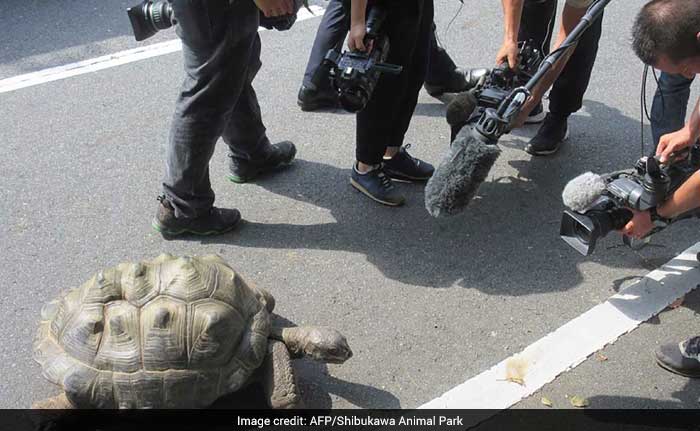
{"x":683,"y":138}
{"x":686,"y":198}
{"x":512,"y":12}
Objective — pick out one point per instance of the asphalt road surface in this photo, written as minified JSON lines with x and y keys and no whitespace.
{"x":426,"y":304}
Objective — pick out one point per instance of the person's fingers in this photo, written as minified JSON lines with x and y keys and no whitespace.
{"x":288,"y":7}
{"x":666,"y":153}
{"x":512,"y":61}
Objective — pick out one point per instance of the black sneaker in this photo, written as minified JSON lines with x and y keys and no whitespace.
{"x":536,"y":115}
{"x":549,"y":138}
{"x":277,"y":156}
{"x":377,"y":186}
{"x":406,"y":168}
{"x":680,"y":358}
{"x":218,"y":221}
{"x":456,"y":82}
{"x":312,"y":100}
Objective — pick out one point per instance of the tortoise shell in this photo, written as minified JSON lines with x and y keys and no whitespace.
{"x":167,"y":333}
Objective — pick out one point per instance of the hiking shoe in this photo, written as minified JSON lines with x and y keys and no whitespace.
{"x":680,"y":358}
{"x":377,"y":186}
{"x":549,"y":138}
{"x":276,"y":157}
{"x":406,"y":168}
{"x":455,"y":83}
{"x":311,"y":100}
{"x":536,"y":115}
{"x":216,"y":222}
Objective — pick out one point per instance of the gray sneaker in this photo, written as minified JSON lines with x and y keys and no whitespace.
{"x":680,"y":358}
{"x":217,"y":221}
{"x":377,"y":186}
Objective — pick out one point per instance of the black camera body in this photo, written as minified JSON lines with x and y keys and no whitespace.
{"x":496,"y":85}
{"x":354,"y":75}
{"x":644,"y":188}
{"x":151,"y":16}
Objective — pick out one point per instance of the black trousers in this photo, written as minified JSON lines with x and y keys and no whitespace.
{"x":221,"y":52}
{"x":331,"y":35}
{"x":537,"y":23}
{"x":385,"y":120}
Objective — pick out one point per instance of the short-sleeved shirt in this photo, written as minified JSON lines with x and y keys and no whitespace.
{"x":579,"y":3}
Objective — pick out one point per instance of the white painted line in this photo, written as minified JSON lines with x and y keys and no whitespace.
{"x":112,"y":60}
{"x":568,"y":346}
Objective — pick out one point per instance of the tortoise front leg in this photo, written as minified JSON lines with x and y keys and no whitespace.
{"x":59,"y":402}
{"x":279,"y":381}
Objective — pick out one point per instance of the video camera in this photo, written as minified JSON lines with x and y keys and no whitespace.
{"x":149,"y":17}
{"x":601,"y":204}
{"x":494,"y":86}
{"x":354,"y":75}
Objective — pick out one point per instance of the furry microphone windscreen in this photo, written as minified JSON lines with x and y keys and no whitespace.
{"x":581,"y":192}
{"x":458,"y":177}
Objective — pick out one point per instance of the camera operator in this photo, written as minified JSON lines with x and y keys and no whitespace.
{"x":221,"y":50}
{"x":666,"y":36}
{"x":443,"y":76}
{"x":534,"y":19}
{"x":382,"y":124}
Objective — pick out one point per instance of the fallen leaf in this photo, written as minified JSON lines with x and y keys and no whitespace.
{"x":514,"y":379}
{"x":577,"y":401}
{"x":515,"y":370}
{"x":600,"y":357}
{"x":546,"y":402}
{"x":677,"y":303}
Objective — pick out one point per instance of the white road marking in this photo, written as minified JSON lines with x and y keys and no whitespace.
{"x":571,"y":344}
{"x":112,"y":60}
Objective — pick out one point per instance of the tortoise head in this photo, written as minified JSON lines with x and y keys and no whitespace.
{"x":317,"y":342}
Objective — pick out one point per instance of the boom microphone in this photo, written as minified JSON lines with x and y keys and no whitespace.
{"x":458,"y":177}
{"x":459,"y":110}
{"x":581,"y":192}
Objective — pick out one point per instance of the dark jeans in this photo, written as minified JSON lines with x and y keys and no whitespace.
{"x":537,"y":23}
{"x":670,"y":105}
{"x":331,"y":35}
{"x":221,"y":51}
{"x":385,"y":120}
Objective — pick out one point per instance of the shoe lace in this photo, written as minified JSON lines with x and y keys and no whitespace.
{"x":385,"y":181}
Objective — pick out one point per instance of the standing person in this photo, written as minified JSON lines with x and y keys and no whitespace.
{"x":443,"y":76}
{"x":381,"y":126}
{"x":221,"y":50}
{"x":534,"y":19}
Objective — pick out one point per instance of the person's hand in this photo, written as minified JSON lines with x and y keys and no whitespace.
{"x":639,"y":226}
{"x":509,"y":53}
{"x":272,"y":8}
{"x":356,"y":39}
{"x":673,"y":143}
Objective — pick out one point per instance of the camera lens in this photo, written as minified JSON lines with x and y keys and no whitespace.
{"x":583,"y":234}
{"x":161,"y":15}
{"x":150,"y":17}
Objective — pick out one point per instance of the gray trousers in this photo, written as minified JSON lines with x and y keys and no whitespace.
{"x":221,"y":51}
